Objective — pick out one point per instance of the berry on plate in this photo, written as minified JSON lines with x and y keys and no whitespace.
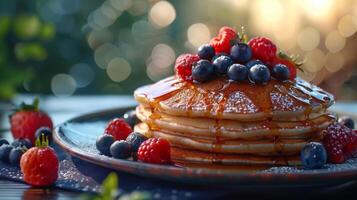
{"x":259,"y":74}
{"x":15,"y":155}
{"x":347,"y":121}
{"x":281,"y":72}
{"x":206,"y":52}
{"x":21,"y":142}
{"x":135,"y":139}
{"x":39,"y":165}
{"x":27,"y":119}
{"x":313,"y":155}
{"x":263,"y":48}
{"x":221,"y":64}
{"x":183,"y":66}
{"x":155,"y":150}
{"x":202,"y":71}
{"x":5,"y":152}
{"x":238,"y":72}
{"x":340,"y":142}
{"x":131,"y":118}
{"x":225,"y":39}
{"x":103,"y":143}
{"x":118,"y":128}
{"x":120,"y":149}
{"x":241,"y":53}
{"x":3,"y":141}
{"x":44,"y":132}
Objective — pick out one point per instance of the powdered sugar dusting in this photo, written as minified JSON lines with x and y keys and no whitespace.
{"x":238,"y":102}
{"x":282,"y":102}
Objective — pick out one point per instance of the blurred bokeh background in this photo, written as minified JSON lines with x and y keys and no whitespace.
{"x":71,"y":47}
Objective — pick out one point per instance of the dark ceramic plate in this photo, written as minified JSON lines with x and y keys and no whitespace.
{"x":77,"y":137}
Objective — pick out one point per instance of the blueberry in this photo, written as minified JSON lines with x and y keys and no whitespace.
{"x":103,"y":143}
{"x":15,"y":156}
{"x":22,"y":142}
{"x":259,"y":74}
{"x":219,"y":55}
{"x":313,"y":155}
{"x":238,"y":72}
{"x":202,"y":71}
{"x":281,"y":72}
{"x":135,"y":139}
{"x":131,"y":118}
{"x":251,"y":63}
{"x":121,"y":149}
{"x":347,"y":121}
{"x":206,"y":52}
{"x":4,"y":152}
{"x":241,"y":53}
{"x":3,"y":141}
{"x":221,"y":64}
{"x":47,"y":132}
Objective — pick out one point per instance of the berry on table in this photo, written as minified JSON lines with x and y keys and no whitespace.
{"x":340,"y":142}
{"x":223,"y":42}
{"x":241,"y":53}
{"x":281,"y":72}
{"x":313,"y":155}
{"x":263,"y":48}
{"x":103,"y":143}
{"x":347,"y":121}
{"x":118,"y":128}
{"x":155,"y":150}
{"x":121,"y":149}
{"x":5,"y":152}
{"x":15,"y":155}
{"x":238,"y":72}
{"x":251,"y":63}
{"x":22,"y":142}
{"x":44,"y":132}
{"x":221,"y":64}
{"x":202,"y":71}
{"x":39,"y":165}
{"x":183,"y":66}
{"x":206,"y":52}
{"x":135,"y":139}
{"x":259,"y":74}
{"x":131,"y":118}
{"x":3,"y":141}
{"x":27,"y":119}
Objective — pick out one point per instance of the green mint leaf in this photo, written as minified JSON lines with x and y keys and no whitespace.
{"x":109,"y":186}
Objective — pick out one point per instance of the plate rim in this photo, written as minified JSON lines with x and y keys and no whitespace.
{"x":192,"y":174}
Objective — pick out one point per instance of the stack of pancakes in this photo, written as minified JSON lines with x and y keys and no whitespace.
{"x":225,"y":123}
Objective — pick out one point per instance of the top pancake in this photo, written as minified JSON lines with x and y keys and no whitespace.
{"x":221,"y":99}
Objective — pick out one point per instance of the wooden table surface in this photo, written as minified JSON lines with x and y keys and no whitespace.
{"x":61,"y":109}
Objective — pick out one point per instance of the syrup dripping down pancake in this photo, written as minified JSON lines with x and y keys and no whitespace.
{"x":240,"y":101}
{"x":230,"y":129}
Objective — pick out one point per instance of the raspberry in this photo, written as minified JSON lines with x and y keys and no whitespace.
{"x":224,"y":41}
{"x":40,"y":165}
{"x":27,"y":119}
{"x":340,"y":143}
{"x":183,"y":66}
{"x":289,"y":64}
{"x":155,"y":150}
{"x":263,"y":48}
{"x":118,"y":128}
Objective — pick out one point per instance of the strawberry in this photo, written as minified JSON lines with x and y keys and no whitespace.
{"x":340,"y":142}
{"x":39,"y":164}
{"x":155,"y":150}
{"x":27,"y":119}
{"x":183,"y":66}
{"x":118,"y":128}
{"x":224,"y":41}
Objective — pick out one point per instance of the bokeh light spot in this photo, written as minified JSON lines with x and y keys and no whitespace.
{"x":162,"y":14}
{"x":308,"y":39}
{"x":82,"y":73}
{"x":63,"y":85}
{"x":118,"y":69}
{"x":198,"y":34}
{"x":335,"y":42}
{"x":315,"y":60}
{"x":104,"y":54}
{"x":347,"y":26}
